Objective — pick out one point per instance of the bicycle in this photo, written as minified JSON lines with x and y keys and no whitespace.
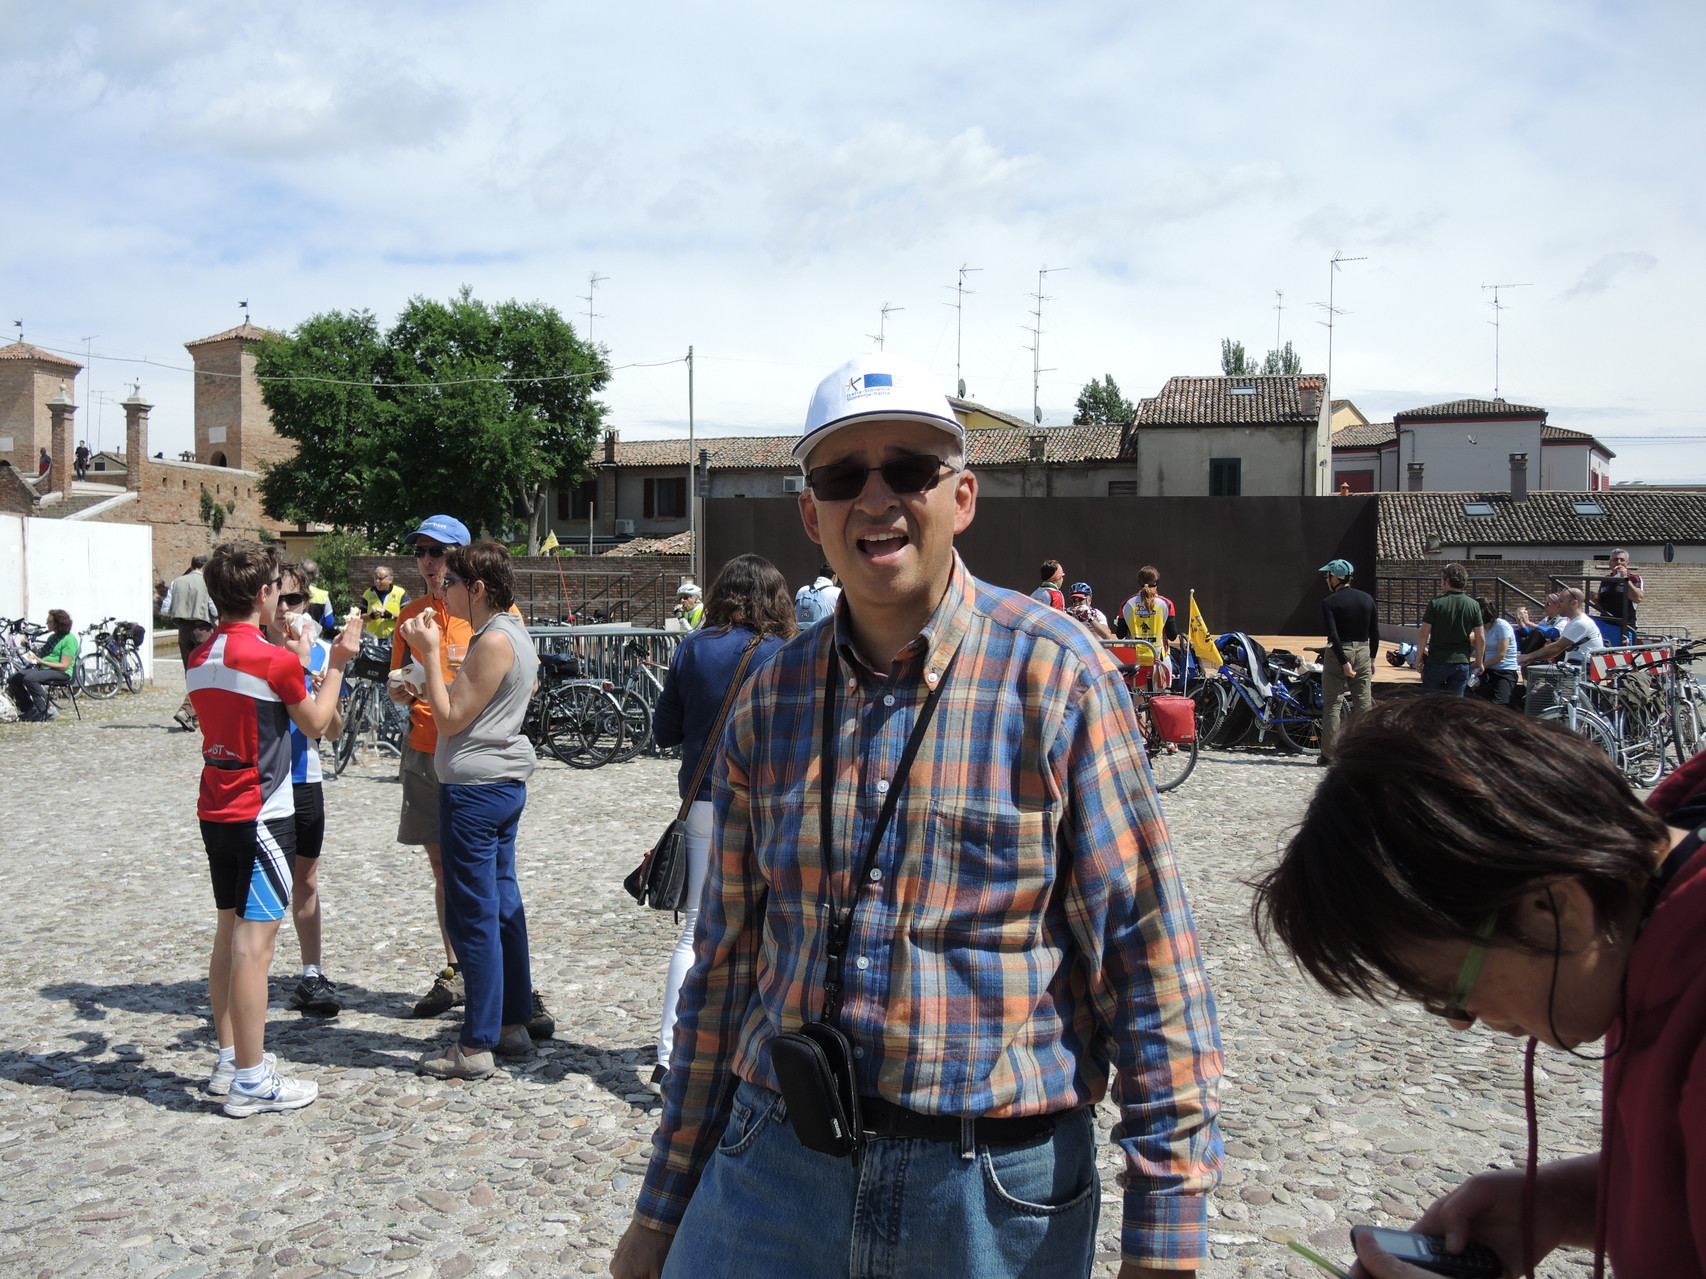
{"x":575,"y":718}
{"x":1552,"y":695}
{"x":1257,"y":691}
{"x":98,"y":672}
{"x":1171,"y":739}
{"x":120,"y":642}
{"x":368,"y":709}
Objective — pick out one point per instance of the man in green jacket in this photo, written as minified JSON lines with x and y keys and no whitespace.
{"x":1451,"y":641}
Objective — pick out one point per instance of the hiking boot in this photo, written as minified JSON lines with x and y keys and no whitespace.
{"x":541,"y":1025}
{"x":316,"y":996}
{"x":185,"y":722}
{"x":456,"y":1062}
{"x":516,"y":1042}
{"x":224,"y":1072}
{"x":275,"y":1092}
{"x":447,"y":992}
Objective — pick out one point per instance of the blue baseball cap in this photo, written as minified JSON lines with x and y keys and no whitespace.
{"x":442,"y":528}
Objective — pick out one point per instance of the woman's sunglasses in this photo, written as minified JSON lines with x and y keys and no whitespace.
{"x":294,"y":600}
{"x":1467,"y":976}
{"x":450,"y":579}
{"x":843,"y":481}
{"x":421,"y":552}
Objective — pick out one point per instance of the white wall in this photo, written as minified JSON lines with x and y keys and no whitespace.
{"x":1452,"y":464}
{"x":1278,"y":461}
{"x":89,"y":570}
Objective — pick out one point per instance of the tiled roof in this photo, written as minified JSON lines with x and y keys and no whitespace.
{"x":1210,"y":401}
{"x":249,"y":332}
{"x":1407,"y":520}
{"x":22,"y":350}
{"x":1560,"y":435}
{"x":972,"y":406}
{"x":674,"y":544}
{"x":991,"y":446}
{"x":1469,"y":410}
{"x":1365,"y":435}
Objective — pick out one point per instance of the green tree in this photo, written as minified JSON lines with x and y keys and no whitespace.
{"x":1101,"y":404}
{"x":1233,"y":360}
{"x":1284,"y":360}
{"x":333,"y":553}
{"x":462,"y":408}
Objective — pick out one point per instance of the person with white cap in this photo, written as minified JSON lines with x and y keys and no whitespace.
{"x":689,"y":606}
{"x":940,"y":869}
{"x":1353,"y":642}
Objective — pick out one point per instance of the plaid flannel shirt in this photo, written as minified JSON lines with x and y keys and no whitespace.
{"x":1024,"y":931}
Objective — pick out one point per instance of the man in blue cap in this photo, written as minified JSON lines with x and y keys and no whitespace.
{"x":418,"y":823}
{"x":1353,"y":642}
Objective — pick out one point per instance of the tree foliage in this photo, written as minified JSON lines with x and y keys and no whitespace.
{"x":1237,"y":362}
{"x":460,"y":408}
{"x":1101,"y":404}
{"x":1284,"y":360}
{"x":1233,"y":360}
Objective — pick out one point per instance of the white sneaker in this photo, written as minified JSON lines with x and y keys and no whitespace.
{"x":275,"y":1092}
{"x":219,"y":1082}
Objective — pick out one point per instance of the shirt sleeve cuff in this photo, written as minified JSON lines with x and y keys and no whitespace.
{"x":663,"y":1200}
{"x":1164,"y":1232}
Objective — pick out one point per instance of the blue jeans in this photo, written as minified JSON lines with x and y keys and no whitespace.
{"x":768,"y":1208}
{"x":482,"y":906}
{"x":1445,"y":677}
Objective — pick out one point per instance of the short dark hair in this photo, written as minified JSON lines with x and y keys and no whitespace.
{"x":488,"y":563}
{"x":293,"y":570}
{"x":1454,"y":576}
{"x":198,"y":561}
{"x":237,"y":571}
{"x":1489,"y":614}
{"x":1437,"y":812}
{"x":1050,"y":568}
{"x":750,"y":589}
{"x":59,"y":621}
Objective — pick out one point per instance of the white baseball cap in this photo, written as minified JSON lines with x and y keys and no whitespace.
{"x":876,"y":387}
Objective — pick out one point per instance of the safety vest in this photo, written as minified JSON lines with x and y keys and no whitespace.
{"x":1146,"y":624}
{"x":690,"y":619}
{"x":382,"y":627}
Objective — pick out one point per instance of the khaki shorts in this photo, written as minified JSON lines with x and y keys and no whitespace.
{"x":419,"y":821}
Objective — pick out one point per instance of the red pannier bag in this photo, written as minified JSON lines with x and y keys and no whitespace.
{"x":1175,"y":718}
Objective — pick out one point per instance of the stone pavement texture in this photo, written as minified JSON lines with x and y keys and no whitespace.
{"x":112,"y":1162}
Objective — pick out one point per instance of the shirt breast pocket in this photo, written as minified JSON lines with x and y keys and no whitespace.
{"x":986,"y":873}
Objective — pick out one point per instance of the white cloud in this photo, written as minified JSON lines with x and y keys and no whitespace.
{"x":1598,"y":277}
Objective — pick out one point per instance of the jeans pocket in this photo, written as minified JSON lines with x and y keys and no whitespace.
{"x":747,"y":1118}
{"x":1048,"y":1177}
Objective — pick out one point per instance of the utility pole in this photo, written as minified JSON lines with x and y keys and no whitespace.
{"x":1497,"y":307}
{"x":1279,"y":315}
{"x":883,"y":324}
{"x":89,"y":377}
{"x":692,"y":500}
{"x":1332,"y":313}
{"x":1036,"y":332}
{"x":959,"y":305}
{"x":593,"y":280}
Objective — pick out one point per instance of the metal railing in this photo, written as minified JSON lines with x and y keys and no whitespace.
{"x":1403,"y":600}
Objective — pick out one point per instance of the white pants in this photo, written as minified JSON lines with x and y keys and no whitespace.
{"x":699,"y":825}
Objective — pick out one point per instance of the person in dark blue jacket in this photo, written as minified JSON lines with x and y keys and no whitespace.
{"x":749,"y":598}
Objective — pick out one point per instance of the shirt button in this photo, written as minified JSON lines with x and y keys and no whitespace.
{"x":862,"y":963}
{"x":876,"y":874}
{"x":888,"y":699}
{"x":882,"y":788}
{"x":930,"y":677}
{"x":858,"y":1051}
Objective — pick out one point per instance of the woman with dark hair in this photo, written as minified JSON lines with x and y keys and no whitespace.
{"x":52,"y":661}
{"x":748,"y":607}
{"x":483,"y":762}
{"x":1496,"y":868}
{"x":1499,"y":670}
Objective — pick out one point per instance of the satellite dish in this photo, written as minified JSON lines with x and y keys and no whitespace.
{"x":962,"y":388}
{"x":1038,"y":413}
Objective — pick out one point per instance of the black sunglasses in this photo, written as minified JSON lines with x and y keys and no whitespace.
{"x":294,"y":598}
{"x":843,"y":481}
{"x":421,"y":552}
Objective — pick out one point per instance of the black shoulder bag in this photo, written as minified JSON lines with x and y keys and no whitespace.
{"x":660,"y":880}
{"x":814,"y":1064}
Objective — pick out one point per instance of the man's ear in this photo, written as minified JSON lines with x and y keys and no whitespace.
{"x":808,"y":517}
{"x":965,"y":500}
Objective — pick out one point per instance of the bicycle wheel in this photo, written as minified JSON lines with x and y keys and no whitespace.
{"x":1299,"y":731}
{"x":355,"y":715}
{"x":1169,"y":762}
{"x":98,"y":676}
{"x":1588,"y":724}
{"x":1210,"y":697}
{"x":1688,"y":725}
{"x":132,"y":670}
{"x":636,"y":727}
{"x":586,"y":727}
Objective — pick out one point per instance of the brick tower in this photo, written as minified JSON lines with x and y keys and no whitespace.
{"x":29,"y":378}
{"x":232,"y":425}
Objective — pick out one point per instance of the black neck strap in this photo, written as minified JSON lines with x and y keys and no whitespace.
{"x":842,"y":929}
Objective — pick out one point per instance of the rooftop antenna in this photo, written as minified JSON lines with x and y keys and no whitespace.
{"x":1036,"y":332}
{"x":1332,"y":313}
{"x":245,"y":305}
{"x":1497,"y":307}
{"x":1279,"y":314}
{"x":89,"y":367}
{"x":959,"y":305}
{"x":883,"y":325}
{"x":593,"y":280}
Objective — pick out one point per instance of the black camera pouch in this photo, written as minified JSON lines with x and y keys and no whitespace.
{"x":814,"y":1069}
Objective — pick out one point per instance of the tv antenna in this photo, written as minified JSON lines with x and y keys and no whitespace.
{"x":1332,"y":313}
{"x":959,"y":305}
{"x":89,"y":367}
{"x":883,"y":325}
{"x":1497,"y":307}
{"x":1279,"y":314}
{"x":593,"y":280}
{"x":1036,"y":332}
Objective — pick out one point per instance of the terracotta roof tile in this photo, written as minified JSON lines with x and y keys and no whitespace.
{"x":1542,"y":519}
{"x":989,"y":446}
{"x":1470,"y":410}
{"x":21,"y":350}
{"x":675,"y":544}
{"x":245,"y":330}
{"x":1216,"y":401}
{"x":1367,"y":435}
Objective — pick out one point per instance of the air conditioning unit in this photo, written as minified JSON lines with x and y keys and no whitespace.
{"x":793,"y":484}
{"x":624,"y":528}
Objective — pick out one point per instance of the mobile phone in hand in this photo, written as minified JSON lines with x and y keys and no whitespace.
{"x":1427,"y":1252}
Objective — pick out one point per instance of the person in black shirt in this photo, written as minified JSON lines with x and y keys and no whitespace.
{"x":1619,"y":592}
{"x":1353,"y":642}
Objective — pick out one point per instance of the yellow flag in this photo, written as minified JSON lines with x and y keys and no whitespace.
{"x":549,"y":544}
{"x":1202,"y":643}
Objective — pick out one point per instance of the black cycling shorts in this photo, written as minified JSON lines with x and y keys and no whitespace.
{"x":310,"y":818}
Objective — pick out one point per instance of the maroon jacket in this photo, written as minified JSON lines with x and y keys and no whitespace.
{"x":1652,"y":1168}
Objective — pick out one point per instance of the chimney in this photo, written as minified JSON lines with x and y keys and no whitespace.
{"x":1039,"y":447}
{"x":135,"y":437}
{"x":1519,"y":477}
{"x":1415,"y":476}
{"x":62,"y":412}
{"x":610,"y":448}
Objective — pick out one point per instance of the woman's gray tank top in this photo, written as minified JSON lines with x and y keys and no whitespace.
{"x":493,"y":748}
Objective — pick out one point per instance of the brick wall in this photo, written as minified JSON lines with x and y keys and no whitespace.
{"x":25,"y":388}
{"x":16,"y":497}
{"x":169,"y":499}
{"x":1676,"y":593}
{"x":638,"y":589}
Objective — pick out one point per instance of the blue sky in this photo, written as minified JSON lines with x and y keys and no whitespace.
{"x":758,"y":180}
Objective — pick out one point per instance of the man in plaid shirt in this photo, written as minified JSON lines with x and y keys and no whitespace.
{"x":1021,"y":935}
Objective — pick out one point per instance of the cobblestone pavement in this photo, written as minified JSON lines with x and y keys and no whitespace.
{"x":113,"y":1162}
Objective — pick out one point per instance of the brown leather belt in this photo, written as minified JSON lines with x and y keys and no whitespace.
{"x":881,"y":1118}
